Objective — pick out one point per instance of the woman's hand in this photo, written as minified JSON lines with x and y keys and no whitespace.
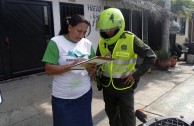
{"x":52,"y":69}
{"x":80,"y":60}
{"x":77,"y":61}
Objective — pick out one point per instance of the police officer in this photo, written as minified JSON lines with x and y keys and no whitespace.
{"x":119,"y":78}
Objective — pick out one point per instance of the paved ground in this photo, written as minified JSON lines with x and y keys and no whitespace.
{"x":165,"y":93}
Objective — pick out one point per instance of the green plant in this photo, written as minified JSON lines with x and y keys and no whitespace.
{"x":164,"y":60}
{"x":162,"y":54}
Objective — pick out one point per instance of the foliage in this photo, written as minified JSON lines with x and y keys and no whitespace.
{"x":180,"y":7}
{"x":162,"y":54}
{"x":157,"y":2}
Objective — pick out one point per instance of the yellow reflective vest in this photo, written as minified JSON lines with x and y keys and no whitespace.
{"x":125,"y":59}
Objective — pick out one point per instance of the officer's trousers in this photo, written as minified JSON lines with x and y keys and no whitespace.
{"x":119,"y":106}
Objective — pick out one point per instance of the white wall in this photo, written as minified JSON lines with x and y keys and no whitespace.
{"x":92,"y":8}
{"x":187,"y":28}
{"x":181,"y":38}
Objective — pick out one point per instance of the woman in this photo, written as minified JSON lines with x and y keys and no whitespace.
{"x":71,"y":89}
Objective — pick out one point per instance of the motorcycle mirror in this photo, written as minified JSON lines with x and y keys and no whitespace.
{"x":1,"y":98}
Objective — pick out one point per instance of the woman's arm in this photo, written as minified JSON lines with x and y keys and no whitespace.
{"x":52,"y":69}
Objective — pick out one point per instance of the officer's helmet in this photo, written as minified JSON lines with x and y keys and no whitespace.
{"x":110,"y":19}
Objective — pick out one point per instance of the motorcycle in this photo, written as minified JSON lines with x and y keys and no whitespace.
{"x":162,"y":120}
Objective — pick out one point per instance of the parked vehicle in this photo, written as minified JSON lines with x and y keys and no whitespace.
{"x":162,"y":120}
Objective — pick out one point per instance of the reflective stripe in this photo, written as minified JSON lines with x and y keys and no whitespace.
{"x":124,"y":87}
{"x":106,"y":74}
{"x":133,"y":60}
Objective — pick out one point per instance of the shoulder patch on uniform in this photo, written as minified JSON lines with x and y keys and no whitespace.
{"x":123,"y":35}
{"x":139,"y":42}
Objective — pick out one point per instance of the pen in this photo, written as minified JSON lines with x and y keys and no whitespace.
{"x":76,"y":55}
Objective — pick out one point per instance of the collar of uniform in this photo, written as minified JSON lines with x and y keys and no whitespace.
{"x":123,"y":35}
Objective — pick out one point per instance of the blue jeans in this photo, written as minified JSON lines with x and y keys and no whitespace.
{"x":72,"y":112}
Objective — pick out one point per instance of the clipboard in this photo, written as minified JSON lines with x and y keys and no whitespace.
{"x":95,"y":60}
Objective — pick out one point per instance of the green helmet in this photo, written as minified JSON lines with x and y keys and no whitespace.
{"x":110,"y":19}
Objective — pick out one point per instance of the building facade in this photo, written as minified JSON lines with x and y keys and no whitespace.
{"x":26,"y":26}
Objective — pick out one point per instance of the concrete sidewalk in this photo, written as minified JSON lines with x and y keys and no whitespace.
{"x":27,"y":100}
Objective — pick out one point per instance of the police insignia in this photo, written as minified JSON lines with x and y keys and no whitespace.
{"x":124,"y":47}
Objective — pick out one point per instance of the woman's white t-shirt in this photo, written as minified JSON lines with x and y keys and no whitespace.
{"x":74,"y":83}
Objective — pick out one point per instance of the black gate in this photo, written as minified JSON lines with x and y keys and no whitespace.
{"x":154,"y":33}
{"x":68,"y":9}
{"x":26,"y":26}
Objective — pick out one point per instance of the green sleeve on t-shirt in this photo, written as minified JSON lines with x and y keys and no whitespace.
{"x":51,"y":54}
{"x":92,"y":53}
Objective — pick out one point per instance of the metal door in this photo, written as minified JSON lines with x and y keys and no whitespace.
{"x":68,"y":9}
{"x":26,"y":26}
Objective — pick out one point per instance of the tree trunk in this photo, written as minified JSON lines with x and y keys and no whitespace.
{"x":166,"y":26}
{"x":165,"y":34}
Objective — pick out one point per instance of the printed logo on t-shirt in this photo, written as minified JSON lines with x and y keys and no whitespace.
{"x":76,"y":54}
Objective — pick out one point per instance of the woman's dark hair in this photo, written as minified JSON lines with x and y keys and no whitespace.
{"x":73,"y":21}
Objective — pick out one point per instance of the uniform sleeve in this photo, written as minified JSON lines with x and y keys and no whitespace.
{"x":51,"y":54}
{"x":146,"y":54}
